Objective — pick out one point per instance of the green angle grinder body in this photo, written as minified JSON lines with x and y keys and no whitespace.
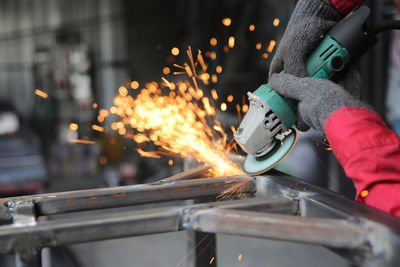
{"x":265,"y":132}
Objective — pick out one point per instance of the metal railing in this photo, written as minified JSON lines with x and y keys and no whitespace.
{"x":275,"y":206}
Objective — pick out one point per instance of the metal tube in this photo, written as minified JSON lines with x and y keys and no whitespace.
{"x":79,"y":230}
{"x":327,"y":232}
{"x":65,"y":202}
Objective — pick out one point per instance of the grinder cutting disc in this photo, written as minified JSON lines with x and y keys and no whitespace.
{"x":256,"y":166}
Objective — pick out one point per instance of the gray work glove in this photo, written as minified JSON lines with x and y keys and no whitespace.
{"x":317,"y":98}
{"x":311,"y":19}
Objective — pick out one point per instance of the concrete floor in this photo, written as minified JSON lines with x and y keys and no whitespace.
{"x":169,"y":250}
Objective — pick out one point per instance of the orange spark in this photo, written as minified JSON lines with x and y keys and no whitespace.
{"x":252,"y":27}
{"x":258,"y":46}
{"x":218,"y":69}
{"x":231,"y":42}
{"x":170,"y":162}
{"x":82,"y":141}
{"x":171,"y":86}
{"x":227,"y":22}
{"x":214,"y":78}
{"x":229,"y":98}
{"x":223,"y":106}
{"x":41,"y":93}
{"x":240,"y":257}
{"x":245,"y":108}
{"x":175,"y":51}
{"x":94,"y":105}
{"x":213,"y":55}
{"x":213,"y":41}
{"x":104,"y":113}
{"x":123,"y":91}
{"x":271,"y":46}
{"x":148,"y":154}
{"x":73,"y":126}
{"x":364,"y":193}
{"x":276,"y":22}
{"x":265,"y":55}
{"x":97,"y":128}
{"x":212,"y":259}
{"x":166,"y":70}
{"x":134,"y":85}
{"x":202,"y":63}
{"x":214,"y":94}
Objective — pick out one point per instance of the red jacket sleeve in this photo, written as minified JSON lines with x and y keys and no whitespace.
{"x":370,"y":155}
{"x":345,"y":6}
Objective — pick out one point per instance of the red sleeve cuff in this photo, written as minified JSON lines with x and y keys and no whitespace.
{"x":352,"y":130}
{"x":370,"y":155}
{"x":345,"y":6}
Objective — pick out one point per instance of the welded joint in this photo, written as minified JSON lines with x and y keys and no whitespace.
{"x":7,"y":210}
{"x":24,"y":213}
{"x":383,"y":243}
{"x":189,"y":213}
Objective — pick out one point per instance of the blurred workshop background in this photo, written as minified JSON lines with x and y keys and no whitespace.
{"x":63,"y":61}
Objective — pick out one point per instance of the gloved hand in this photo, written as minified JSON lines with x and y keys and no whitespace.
{"x":311,"y":19}
{"x":318,"y":98}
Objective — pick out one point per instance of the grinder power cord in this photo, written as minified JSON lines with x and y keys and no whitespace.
{"x":265,"y":132}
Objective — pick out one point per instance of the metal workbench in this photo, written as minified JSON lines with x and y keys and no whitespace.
{"x":275,"y":206}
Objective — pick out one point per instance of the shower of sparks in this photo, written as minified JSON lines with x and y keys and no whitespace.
{"x":175,"y":116}
{"x":41,"y":93}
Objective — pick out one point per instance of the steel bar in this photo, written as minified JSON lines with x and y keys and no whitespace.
{"x":25,"y":215}
{"x":65,"y":202}
{"x":106,"y":226}
{"x":327,"y":232}
{"x":78,"y":230}
{"x":317,"y":216}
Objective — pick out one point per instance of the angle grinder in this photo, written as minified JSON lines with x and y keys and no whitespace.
{"x":265,"y":132}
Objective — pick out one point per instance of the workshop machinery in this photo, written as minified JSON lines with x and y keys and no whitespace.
{"x":273,"y":206}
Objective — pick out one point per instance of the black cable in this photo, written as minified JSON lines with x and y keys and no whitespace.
{"x":387,"y":25}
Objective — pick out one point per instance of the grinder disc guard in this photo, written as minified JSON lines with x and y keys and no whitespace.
{"x":255,"y":166}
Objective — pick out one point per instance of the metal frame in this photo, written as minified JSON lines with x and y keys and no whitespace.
{"x":275,"y":206}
